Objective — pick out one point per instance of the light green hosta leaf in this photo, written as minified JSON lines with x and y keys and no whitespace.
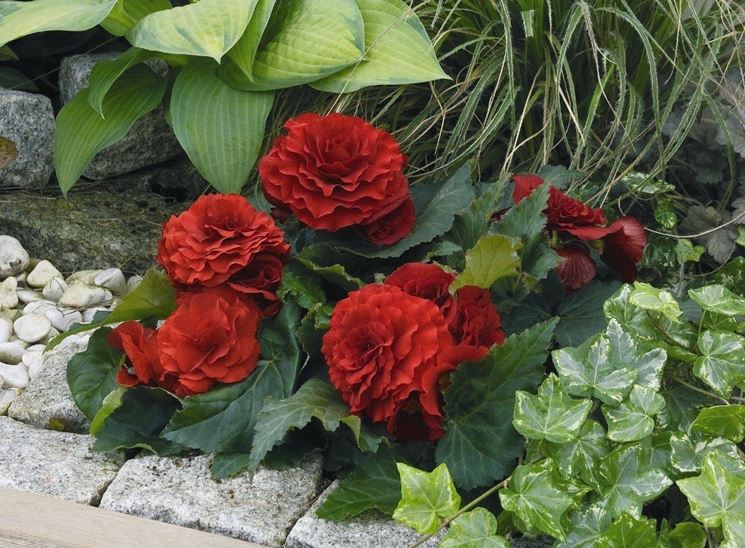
{"x":127,"y":13}
{"x":627,"y":532}
{"x":474,"y":529}
{"x":208,"y":28}
{"x":315,"y":399}
{"x":657,"y":300}
{"x":580,"y":456}
{"x":718,"y":299}
{"x":397,"y":50}
{"x":244,"y":51}
{"x":480,"y":445}
{"x":717,"y":496}
{"x":221,"y":128}
{"x":106,"y":73}
{"x":427,"y":498}
{"x":537,"y":499}
{"x":634,"y":418}
{"x":726,"y":421}
{"x":627,"y":479}
{"x":687,"y":455}
{"x":492,"y":258}
{"x":81,"y":133}
{"x":722,"y":365}
{"x":551,"y":415}
{"x":19,"y":19}
{"x":304,"y":41}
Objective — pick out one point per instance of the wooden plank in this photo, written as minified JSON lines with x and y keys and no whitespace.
{"x":33,"y":521}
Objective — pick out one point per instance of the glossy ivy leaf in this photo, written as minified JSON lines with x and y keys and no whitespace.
{"x":686,"y":252}
{"x":138,"y":421}
{"x":397,"y":50}
{"x":623,"y":349}
{"x":374,"y":484}
{"x":722,"y":363}
{"x":717,"y":496}
{"x":223,"y":419}
{"x":687,"y":454}
{"x":19,"y":19}
{"x":536,"y":499}
{"x":474,"y":529}
{"x":687,"y":534}
{"x":492,"y":258}
{"x":427,"y":498}
{"x":586,"y":528}
{"x":726,"y":421}
{"x":627,"y":479}
{"x":315,"y":399}
{"x":220,"y":128}
{"x":208,"y":28}
{"x":580,"y":456}
{"x":627,"y":531}
{"x":153,"y":298}
{"x":551,"y":415}
{"x":632,"y":319}
{"x":480,"y":445}
{"x":719,"y":300}
{"x":650,"y":298}
{"x":81,"y":133}
{"x":683,"y":404}
{"x":633,"y":419}
{"x":91,"y":374}
{"x":127,"y":13}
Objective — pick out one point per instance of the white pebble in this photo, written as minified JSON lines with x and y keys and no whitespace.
{"x":8,"y":297}
{"x":11,"y":352}
{"x":34,"y":362}
{"x":66,"y":319}
{"x":15,"y":376}
{"x":52,"y":334}
{"x":32,"y":327}
{"x":133,"y":282}
{"x":54,"y":288}
{"x":6,"y":330}
{"x":6,"y":397}
{"x":13,"y":258}
{"x":29,"y":296}
{"x":21,"y":278}
{"x":79,"y":295}
{"x":42,"y":273}
{"x":86,"y":277}
{"x":90,"y":313}
{"x":113,"y":279}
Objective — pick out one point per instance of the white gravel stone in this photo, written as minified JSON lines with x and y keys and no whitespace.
{"x":85,"y":277}
{"x":68,"y":317}
{"x":259,"y":509}
{"x":11,"y":353}
{"x":8,"y":297}
{"x":90,"y":313}
{"x":21,"y":278}
{"x":32,"y":327}
{"x":13,"y":258}
{"x":133,"y":282}
{"x":7,"y":395}
{"x":54,"y":288}
{"x":29,"y":296}
{"x":34,"y":363}
{"x":79,"y":295}
{"x":57,"y":464}
{"x":42,"y":273}
{"x":6,"y":330}
{"x":15,"y":376}
{"x":113,"y":279}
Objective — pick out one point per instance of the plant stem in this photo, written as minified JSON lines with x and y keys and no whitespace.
{"x":466,"y":508}
{"x":702,"y":391}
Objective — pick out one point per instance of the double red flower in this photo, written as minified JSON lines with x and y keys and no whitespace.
{"x":622,"y":243}
{"x":390,"y":345}
{"x":339,"y":171}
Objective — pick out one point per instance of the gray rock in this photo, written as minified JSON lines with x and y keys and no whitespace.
{"x":47,"y":402}
{"x":180,"y":491}
{"x":149,"y":141}
{"x":368,"y":530}
{"x":13,"y":257}
{"x":27,"y":119}
{"x":58,"y":464}
{"x":102,"y":226}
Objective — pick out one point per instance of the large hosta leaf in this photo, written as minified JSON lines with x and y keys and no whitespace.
{"x":106,"y":73}
{"x":304,"y":41}
{"x":480,"y":445}
{"x":221,"y":128}
{"x":397,"y":50}
{"x":81,"y":133}
{"x":244,"y":51}
{"x":127,"y":13}
{"x":21,"y":18}
{"x":208,"y":28}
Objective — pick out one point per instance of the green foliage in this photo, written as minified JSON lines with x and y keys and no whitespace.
{"x":127,"y":13}
{"x":474,"y":529}
{"x":727,"y":421}
{"x":427,"y":498}
{"x":633,"y":419}
{"x":492,"y":258}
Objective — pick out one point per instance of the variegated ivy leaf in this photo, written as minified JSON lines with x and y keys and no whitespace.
{"x":717,"y":497}
{"x":627,"y":532}
{"x":427,"y":498}
{"x":727,"y":421}
{"x":586,"y":527}
{"x":634,"y":418}
{"x":687,"y":454}
{"x":657,"y":300}
{"x":722,"y":363}
{"x":474,"y":529}
{"x":551,"y":415}
{"x":578,"y":457}
{"x":719,"y":300}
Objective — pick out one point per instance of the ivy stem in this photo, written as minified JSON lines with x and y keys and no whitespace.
{"x":702,"y":391}
{"x":466,"y":508}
